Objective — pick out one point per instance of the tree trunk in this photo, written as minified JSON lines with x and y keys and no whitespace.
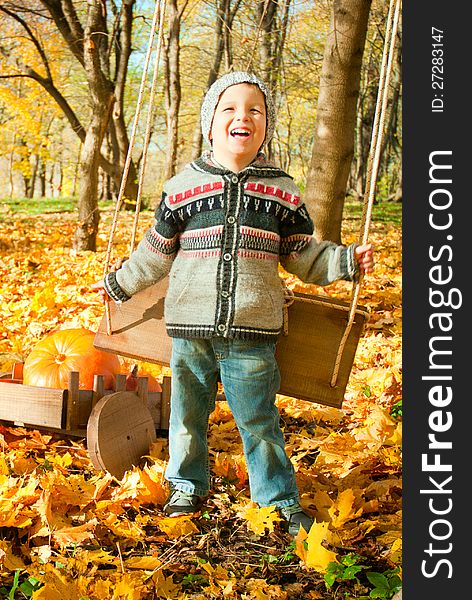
{"x":120,"y":133}
{"x":333,"y":145}
{"x":11,"y":186}
{"x":118,"y":128}
{"x":266,"y":16}
{"x":225,"y":14}
{"x":101,"y":99}
{"x":274,"y":32}
{"x":214,"y":69}
{"x":33,"y":177}
{"x":173,"y":90}
{"x":42,"y":178}
{"x":85,"y":237}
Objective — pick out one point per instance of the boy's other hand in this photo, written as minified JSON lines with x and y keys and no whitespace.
{"x":99,"y":285}
{"x":365,"y":257}
{"x":100,"y":288}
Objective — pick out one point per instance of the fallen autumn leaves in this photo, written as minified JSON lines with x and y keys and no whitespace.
{"x":73,"y":533}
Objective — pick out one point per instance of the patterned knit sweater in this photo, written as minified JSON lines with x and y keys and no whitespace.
{"x":220,"y":236}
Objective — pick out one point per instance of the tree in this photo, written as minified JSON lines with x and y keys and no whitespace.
{"x":389,"y":176}
{"x":173,"y":92}
{"x":333,"y":145}
{"x":26,"y":121}
{"x":225,"y":13}
{"x":103,"y":55}
{"x":274,"y":32}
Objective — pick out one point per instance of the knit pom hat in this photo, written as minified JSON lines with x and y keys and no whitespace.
{"x":213,"y":94}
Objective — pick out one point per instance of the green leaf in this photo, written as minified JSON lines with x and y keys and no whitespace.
{"x":333,"y":572}
{"x":378,"y":593}
{"x":329,"y":578}
{"x":378,"y":580}
{"x":350,"y":572}
{"x":350,"y":559}
{"x":29,"y":586}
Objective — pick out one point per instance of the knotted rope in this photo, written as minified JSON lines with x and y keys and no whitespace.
{"x":158,"y":20}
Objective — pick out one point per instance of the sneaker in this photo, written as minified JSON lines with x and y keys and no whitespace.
{"x":182,"y":503}
{"x":293,"y":517}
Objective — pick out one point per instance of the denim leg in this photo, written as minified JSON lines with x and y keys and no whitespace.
{"x":194,"y":386}
{"x":251,"y":378}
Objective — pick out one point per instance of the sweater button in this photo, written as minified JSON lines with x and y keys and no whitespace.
{"x":231,"y":220}
{"x":221,"y":327}
{"x":234,"y":179}
{"x":227,"y":256}
{"x":225,"y":294}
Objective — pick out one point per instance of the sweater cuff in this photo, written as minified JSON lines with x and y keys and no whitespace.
{"x":113,"y":288}
{"x":350,"y":266}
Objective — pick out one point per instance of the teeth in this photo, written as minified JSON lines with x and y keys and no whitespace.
{"x":239,"y":132}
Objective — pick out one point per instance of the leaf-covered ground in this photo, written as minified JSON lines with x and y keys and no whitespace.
{"x":68,"y":532}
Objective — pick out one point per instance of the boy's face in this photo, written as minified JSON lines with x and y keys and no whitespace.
{"x":239,"y":126}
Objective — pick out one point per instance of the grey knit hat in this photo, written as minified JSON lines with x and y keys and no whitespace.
{"x":213,"y":94}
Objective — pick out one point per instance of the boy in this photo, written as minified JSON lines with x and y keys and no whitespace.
{"x":223,"y":224}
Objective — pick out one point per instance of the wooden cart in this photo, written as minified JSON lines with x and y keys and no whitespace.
{"x":119,"y":425}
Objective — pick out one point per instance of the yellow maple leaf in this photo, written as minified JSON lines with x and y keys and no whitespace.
{"x":8,"y":560}
{"x":261,"y":590}
{"x":309,"y":547}
{"x":13,"y":512}
{"x":22,"y":464}
{"x":61,"y":461}
{"x":342,"y":510}
{"x":154,"y":489}
{"x":144,"y":486}
{"x":75,"y":535}
{"x":259,"y":518}
{"x":129,"y":587}
{"x":220,"y":581}
{"x":47,"y":592}
{"x":165,"y":586}
{"x":124,"y":528}
{"x":231,"y":467}
{"x":175,"y":527}
{"x":101,"y":589}
{"x":378,"y":428}
{"x":146,"y":563}
{"x":43,"y":508}
{"x":15,"y":519}
{"x":57,"y":586}
{"x":217,"y":572}
{"x":44,"y":300}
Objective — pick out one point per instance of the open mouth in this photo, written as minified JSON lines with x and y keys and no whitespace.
{"x":240,"y":133}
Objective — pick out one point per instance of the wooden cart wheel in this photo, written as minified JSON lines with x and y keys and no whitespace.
{"x":120,"y":430}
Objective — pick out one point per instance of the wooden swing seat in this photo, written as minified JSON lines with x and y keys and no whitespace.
{"x":306,"y":356}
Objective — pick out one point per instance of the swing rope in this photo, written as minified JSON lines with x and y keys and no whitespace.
{"x":158,"y":18}
{"x":373,"y":163}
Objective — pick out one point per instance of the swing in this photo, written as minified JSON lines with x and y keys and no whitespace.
{"x":316,"y":351}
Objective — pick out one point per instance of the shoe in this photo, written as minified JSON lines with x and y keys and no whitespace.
{"x":293,"y":517}
{"x":182,"y":503}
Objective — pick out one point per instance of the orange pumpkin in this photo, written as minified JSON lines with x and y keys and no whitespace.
{"x":132,"y":380}
{"x":55,"y":356}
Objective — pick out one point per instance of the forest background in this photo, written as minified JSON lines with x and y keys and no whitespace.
{"x":69,"y":81}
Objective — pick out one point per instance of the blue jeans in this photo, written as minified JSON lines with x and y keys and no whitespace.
{"x":250,"y":378}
